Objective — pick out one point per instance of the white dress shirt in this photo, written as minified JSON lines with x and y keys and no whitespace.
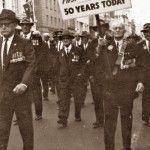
{"x":67,"y":49}
{"x":85,"y":46}
{"x":8,"y":47}
{"x":59,"y":45}
{"x":78,"y":42}
{"x":48,"y":43}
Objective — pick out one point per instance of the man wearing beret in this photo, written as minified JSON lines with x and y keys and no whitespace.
{"x":71,"y":70}
{"x":121,"y":76}
{"x":144,"y":55}
{"x":41,"y":53}
{"x":16,"y":70}
{"x":133,"y":38}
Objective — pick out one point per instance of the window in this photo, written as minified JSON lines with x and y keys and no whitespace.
{"x":51,"y":21}
{"x":51,"y":4}
{"x":55,"y":22}
{"x":62,"y":23}
{"x":59,"y":23}
{"x":55,"y":5}
{"x":46,"y":3}
{"x":3,"y":3}
{"x":47,"y":20}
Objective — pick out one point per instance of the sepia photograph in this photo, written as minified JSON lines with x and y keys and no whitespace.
{"x":74,"y":75}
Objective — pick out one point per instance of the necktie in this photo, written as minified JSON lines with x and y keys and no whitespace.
{"x":117,"y":46}
{"x":25,"y":36}
{"x":67,"y":51}
{"x":5,"y":55}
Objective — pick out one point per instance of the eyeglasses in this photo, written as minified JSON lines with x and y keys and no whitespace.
{"x":5,"y":24}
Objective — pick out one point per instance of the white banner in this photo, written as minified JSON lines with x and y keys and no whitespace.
{"x":78,"y":8}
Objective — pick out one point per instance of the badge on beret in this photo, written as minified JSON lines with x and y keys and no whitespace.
{"x":110,"y":47}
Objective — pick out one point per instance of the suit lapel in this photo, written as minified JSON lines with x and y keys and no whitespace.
{"x":0,"y":54}
{"x":145,"y":47}
{"x":11,"y":50}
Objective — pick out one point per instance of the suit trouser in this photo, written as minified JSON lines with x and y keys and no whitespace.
{"x":22,"y":108}
{"x":44,"y":79}
{"x":97,"y":94}
{"x":146,"y":102}
{"x":112,"y":103}
{"x":77,"y":90}
{"x":84,"y":92}
{"x":37,"y":95}
{"x":52,"y":83}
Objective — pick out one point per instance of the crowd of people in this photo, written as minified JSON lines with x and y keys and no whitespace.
{"x":117,"y":69}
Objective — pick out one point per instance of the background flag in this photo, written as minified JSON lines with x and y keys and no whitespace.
{"x":28,"y":7}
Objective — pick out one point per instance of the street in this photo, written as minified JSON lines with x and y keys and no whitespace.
{"x":78,"y":135}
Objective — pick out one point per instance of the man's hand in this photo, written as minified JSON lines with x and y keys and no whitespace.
{"x":88,"y":62}
{"x":20,"y":88}
{"x":140,"y":87}
{"x":102,"y":41}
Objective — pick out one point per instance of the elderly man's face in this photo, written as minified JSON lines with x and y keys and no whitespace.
{"x":85,"y":39}
{"x":147,"y":34}
{"x":26,"y":28}
{"x":46,"y":38}
{"x":67,"y":40}
{"x":118,"y":30}
{"x":77,"y":37}
{"x":7,"y":27}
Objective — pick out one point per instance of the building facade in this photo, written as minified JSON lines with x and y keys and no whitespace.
{"x":47,"y":16}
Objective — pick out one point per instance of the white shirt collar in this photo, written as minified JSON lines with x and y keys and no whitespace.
{"x":78,"y":42}
{"x":120,"y":42}
{"x":27,"y":35}
{"x":103,"y":37}
{"x":9,"y":39}
{"x":67,"y":49}
{"x":85,"y":45}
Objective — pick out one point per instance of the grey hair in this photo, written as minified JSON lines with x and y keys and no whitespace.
{"x":116,"y":22}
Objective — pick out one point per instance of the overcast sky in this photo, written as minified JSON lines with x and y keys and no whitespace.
{"x":140,"y":11}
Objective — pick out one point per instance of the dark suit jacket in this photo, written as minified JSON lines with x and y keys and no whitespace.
{"x":88,"y":55}
{"x":17,"y":72}
{"x":42,"y":54}
{"x":69,"y":67}
{"x":100,"y":64}
{"x":144,"y":62}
